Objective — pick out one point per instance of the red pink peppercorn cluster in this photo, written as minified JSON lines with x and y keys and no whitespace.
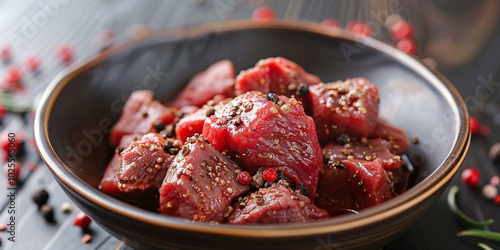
{"x":471,"y":177}
{"x":400,"y":29}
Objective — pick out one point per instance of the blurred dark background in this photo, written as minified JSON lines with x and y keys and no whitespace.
{"x":460,"y":38}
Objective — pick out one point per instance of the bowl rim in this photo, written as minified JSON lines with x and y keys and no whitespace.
{"x":417,"y":194}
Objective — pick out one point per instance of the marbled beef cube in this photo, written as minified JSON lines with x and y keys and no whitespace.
{"x":396,"y":136}
{"x":353,"y":185}
{"x":109,"y":181}
{"x":364,"y":149}
{"x":349,"y":107}
{"x":200,"y":184}
{"x":275,"y":204}
{"x":144,"y":163}
{"x":267,"y":130}
{"x":275,"y":75}
{"x":217,"y":79}
{"x":139,"y":116}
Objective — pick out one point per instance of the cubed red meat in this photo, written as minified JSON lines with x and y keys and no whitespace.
{"x":275,"y":75}
{"x":258,"y":130}
{"x":144,"y":164}
{"x":191,"y":124}
{"x":218,"y":79}
{"x":396,"y":136}
{"x":200,"y":184}
{"x":109,"y":181}
{"x":276,"y":204}
{"x":353,"y":185}
{"x":349,"y":106}
{"x":365,"y":150}
{"x":139,"y":116}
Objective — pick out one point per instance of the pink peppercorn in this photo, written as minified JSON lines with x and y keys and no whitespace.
{"x":330,"y":22}
{"x":65,"y":52}
{"x":401,"y":29}
{"x":244,"y":178}
{"x":5,"y":52}
{"x":269,"y":175}
{"x":474,"y":125}
{"x":263,"y":14}
{"x":32,"y":62}
{"x":471,"y":177}
{"x":407,"y":46}
{"x":359,"y":28}
{"x":12,"y":75}
{"x":82,"y":220}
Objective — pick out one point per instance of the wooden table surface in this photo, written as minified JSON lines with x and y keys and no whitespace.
{"x":41,"y":25}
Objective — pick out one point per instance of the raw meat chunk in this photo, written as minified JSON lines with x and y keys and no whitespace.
{"x":139,"y":116}
{"x":275,"y":75}
{"x":396,"y":136}
{"x":276,"y":204}
{"x":364,"y":150}
{"x":217,"y":79}
{"x":200,"y":184}
{"x":109,"y":181}
{"x":340,"y":107}
{"x":258,"y":130}
{"x":144,"y":164}
{"x":353,"y":185}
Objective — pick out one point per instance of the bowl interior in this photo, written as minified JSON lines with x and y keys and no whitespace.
{"x":90,"y":100}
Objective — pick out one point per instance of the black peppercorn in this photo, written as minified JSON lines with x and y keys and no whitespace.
{"x":159,"y":126}
{"x":343,"y":139}
{"x":40,"y":197}
{"x":47,"y":212}
{"x":302,"y":189}
{"x":302,"y":90}
{"x":273,"y":98}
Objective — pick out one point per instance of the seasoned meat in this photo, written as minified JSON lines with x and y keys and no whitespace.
{"x":258,"y":130}
{"x":275,"y":75}
{"x":200,"y":184}
{"x":144,"y":163}
{"x":353,"y":184}
{"x":192,"y":123}
{"x":396,"y":136}
{"x":275,"y":204}
{"x":109,"y":181}
{"x":363,"y":149}
{"x":349,"y":107}
{"x":139,"y":116}
{"x":218,"y":79}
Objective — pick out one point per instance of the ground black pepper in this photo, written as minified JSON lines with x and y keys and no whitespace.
{"x":159,"y":126}
{"x":273,"y":98}
{"x":343,"y":139}
{"x":302,"y":90}
{"x":302,"y":189}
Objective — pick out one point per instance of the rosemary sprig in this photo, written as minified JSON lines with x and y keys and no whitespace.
{"x":480,"y":233}
{"x":453,"y":206}
{"x":484,"y":246}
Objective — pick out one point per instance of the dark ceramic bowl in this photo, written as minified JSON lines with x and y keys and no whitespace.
{"x":76,"y":112}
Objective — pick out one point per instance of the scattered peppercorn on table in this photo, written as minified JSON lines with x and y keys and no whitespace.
{"x":40,"y":38}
